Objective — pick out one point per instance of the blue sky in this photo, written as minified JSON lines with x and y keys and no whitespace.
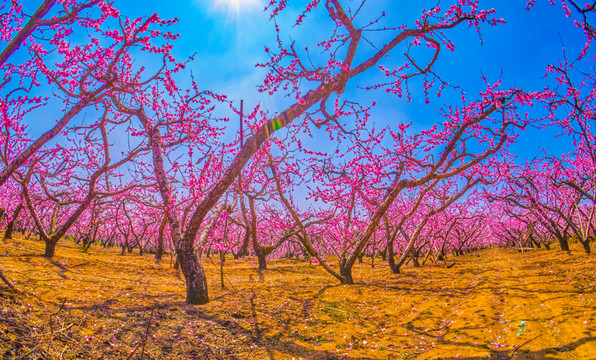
{"x":228,"y":44}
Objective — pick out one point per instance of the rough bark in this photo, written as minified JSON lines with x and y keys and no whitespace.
{"x":255,"y":243}
{"x":50,"y":250}
{"x":160,"y":249}
{"x":10,"y":226}
{"x":395,"y":268}
{"x":586,"y":246}
{"x":415,"y":260}
{"x":196,"y":281}
{"x":346,"y":273}
{"x":563,"y":242}
{"x":243,"y":251}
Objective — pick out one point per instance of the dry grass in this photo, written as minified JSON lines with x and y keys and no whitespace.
{"x":496,"y":304}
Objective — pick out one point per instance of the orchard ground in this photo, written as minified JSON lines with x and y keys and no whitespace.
{"x":496,"y":303}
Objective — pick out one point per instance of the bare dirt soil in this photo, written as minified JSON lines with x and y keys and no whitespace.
{"x":494,"y":304}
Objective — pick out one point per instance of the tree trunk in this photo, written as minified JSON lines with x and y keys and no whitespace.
{"x":222,"y":260}
{"x":162,"y":228}
{"x":177,"y":262}
{"x":196,"y":281}
{"x":10,"y":226}
{"x":86,"y":243}
{"x":50,"y":248}
{"x":262,"y":259}
{"x":244,"y":248}
{"x":255,"y":244}
{"x":346,"y":272}
{"x":428,"y":254}
{"x":586,"y":245}
{"x":415,"y":259}
{"x":391,"y":260}
{"x":564,"y":243}
{"x":54,"y":218}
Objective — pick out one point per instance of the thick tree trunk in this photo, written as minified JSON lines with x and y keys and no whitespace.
{"x":8,"y":232}
{"x":346,"y":272}
{"x":50,"y":248}
{"x":415,"y":260}
{"x":86,"y":243}
{"x":159,"y":251}
{"x":564,"y":243}
{"x":196,"y":281}
{"x":391,"y":259}
{"x":10,"y":226}
{"x":262,"y":259}
{"x":586,"y":245}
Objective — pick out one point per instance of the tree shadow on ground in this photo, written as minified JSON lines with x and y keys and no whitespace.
{"x":518,"y":353}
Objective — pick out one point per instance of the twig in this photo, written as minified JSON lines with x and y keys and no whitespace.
{"x":62,"y":353}
{"x":60,"y":309}
{"x":517,"y":348}
{"x":9,"y":283}
{"x":144,"y":339}
{"x":55,"y":314}
{"x":52,"y":332}
{"x":147,"y":332}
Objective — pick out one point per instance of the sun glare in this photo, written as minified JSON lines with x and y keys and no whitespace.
{"x":237,"y":7}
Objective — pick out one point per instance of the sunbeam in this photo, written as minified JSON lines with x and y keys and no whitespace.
{"x":237,"y":7}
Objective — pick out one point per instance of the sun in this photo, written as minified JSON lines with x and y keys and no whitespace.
{"x":237,"y":7}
